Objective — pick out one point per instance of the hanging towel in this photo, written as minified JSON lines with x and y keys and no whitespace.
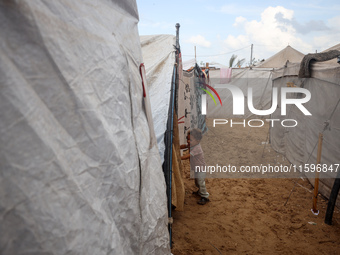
{"x":225,"y":75}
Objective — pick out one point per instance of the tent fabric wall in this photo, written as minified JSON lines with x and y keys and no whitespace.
{"x":78,"y":173}
{"x":299,"y":144}
{"x":258,"y":79}
{"x":159,"y":59}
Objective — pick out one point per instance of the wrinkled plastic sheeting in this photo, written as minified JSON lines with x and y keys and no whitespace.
{"x":77,"y":172}
{"x":159,"y":59}
{"x":300,"y":144}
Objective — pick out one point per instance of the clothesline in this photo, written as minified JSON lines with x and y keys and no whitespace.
{"x":218,"y":54}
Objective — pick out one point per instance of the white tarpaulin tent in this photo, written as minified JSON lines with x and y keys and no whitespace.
{"x":299,"y":144}
{"x":78,"y":171}
{"x":186,"y":65}
{"x":159,"y":59}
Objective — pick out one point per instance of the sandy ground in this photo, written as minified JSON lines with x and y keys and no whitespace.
{"x":247,"y":215}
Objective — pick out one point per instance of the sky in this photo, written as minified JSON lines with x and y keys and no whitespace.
{"x":220,"y":29}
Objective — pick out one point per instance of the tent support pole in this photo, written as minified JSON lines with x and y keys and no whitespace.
{"x":332,"y":200}
{"x":316,"y":182}
{"x":172,"y":105}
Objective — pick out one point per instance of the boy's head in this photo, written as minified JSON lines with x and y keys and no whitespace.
{"x":196,"y":133}
{"x":195,"y":136}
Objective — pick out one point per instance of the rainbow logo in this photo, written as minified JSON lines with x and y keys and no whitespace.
{"x":204,"y":97}
{"x":209,"y":93}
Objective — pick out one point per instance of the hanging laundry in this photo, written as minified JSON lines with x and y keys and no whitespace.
{"x":225,"y":75}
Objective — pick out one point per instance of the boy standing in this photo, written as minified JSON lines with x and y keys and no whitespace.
{"x":197,"y":159}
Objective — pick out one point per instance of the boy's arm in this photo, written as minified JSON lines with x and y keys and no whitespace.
{"x":186,"y":156}
{"x":184,"y":146}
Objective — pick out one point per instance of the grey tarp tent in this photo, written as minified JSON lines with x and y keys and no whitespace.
{"x":79,"y":173}
{"x":299,"y":144}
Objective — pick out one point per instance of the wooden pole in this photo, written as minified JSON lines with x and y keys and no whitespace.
{"x":316,"y":181}
{"x":251,"y":56}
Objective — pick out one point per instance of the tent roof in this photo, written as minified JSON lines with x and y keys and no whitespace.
{"x":217,"y":65}
{"x":280,"y":58}
{"x":335,"y":47}
{"x":186,"y":65}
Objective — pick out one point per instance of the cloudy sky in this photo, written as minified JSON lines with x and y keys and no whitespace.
{"x":219,"y":29}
